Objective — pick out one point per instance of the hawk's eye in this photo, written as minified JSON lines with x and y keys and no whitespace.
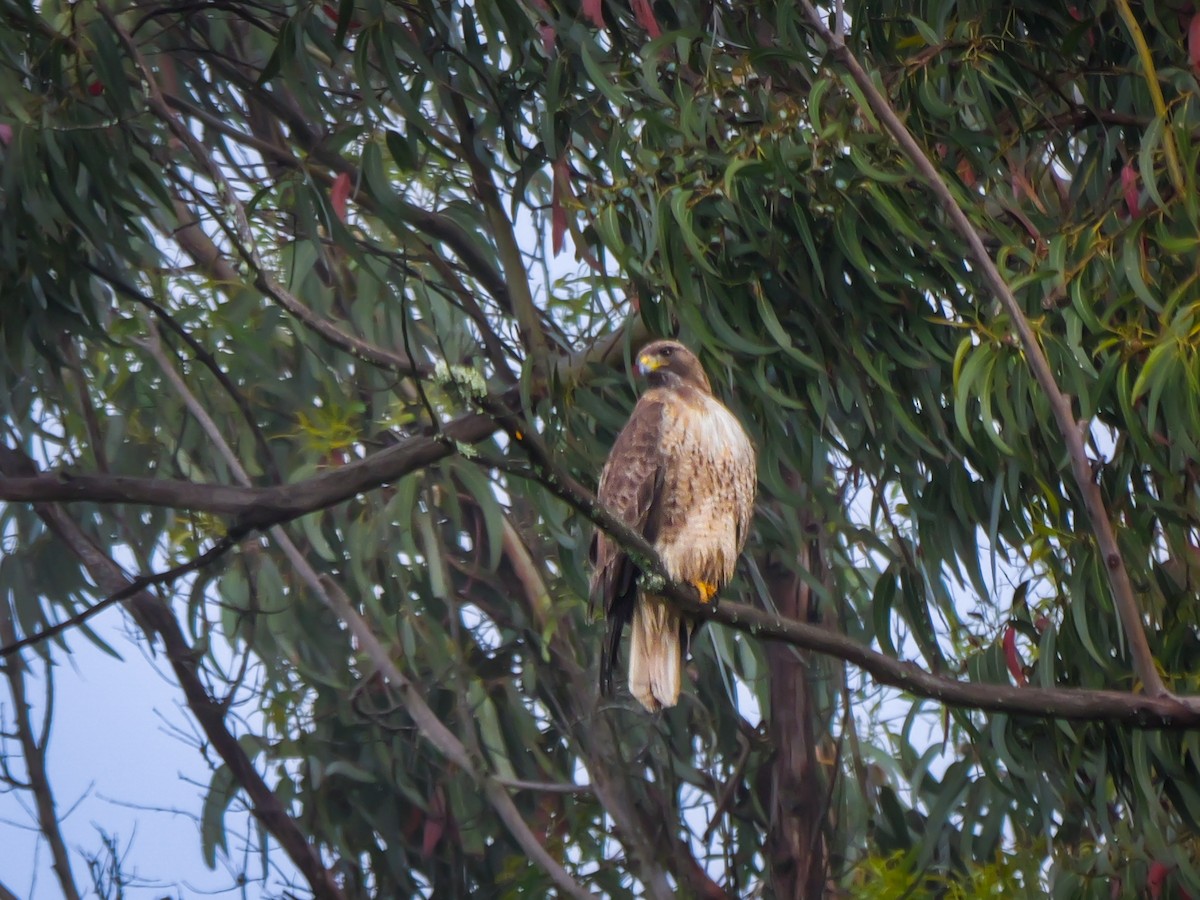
{"x":667,"y":351}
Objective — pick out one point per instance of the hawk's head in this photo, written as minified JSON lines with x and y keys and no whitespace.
{"x":670,"y":364}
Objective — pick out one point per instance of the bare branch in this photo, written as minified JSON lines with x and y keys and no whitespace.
{"x":544,"y":787}
{"x":253,"y":507}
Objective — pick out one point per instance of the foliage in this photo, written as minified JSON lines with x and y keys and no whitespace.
{"x":408,"y":174}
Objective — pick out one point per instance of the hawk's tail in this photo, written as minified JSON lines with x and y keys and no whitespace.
{"x":655,"y":654}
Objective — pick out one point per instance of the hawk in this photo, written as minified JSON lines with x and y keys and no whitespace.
{"x":682,"y":473}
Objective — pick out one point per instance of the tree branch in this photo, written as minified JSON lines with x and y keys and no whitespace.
{"x":1072,"y":431}
{"x":253,"y":507}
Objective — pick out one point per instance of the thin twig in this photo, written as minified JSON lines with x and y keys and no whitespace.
{"x":544,"y":787}
{"x":240,"y":233}
{"x":528,"y":318}
{"x":1072,"y":431}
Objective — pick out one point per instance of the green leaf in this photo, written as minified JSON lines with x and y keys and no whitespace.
{"x":221,"y":790}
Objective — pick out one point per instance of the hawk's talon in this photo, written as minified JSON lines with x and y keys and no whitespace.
{"x":706,"y":589}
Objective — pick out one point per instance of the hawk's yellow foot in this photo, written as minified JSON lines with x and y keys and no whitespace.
{"x":706,"y":589}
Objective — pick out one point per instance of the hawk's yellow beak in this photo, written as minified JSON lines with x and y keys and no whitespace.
{"x":648,"y":363}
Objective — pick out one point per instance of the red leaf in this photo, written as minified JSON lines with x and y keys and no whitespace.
{"x":548,"y":34}
{"x":1154,"y":881}
{"x":965,"y":172}
{"x":1012,"y":658}
{"x":593,"y":11}
{"x":1075,"y":14}
{"x":95,"y":88}
{"x":1129,"y":187}
{"x":6,"y":134}
{"x":341,"y":191}
{"x":644,"y":14}
{"x":558,"y":213}
{"x":331,"y":10}
{"x":1193,"y":43}
{"x":435,"y":823}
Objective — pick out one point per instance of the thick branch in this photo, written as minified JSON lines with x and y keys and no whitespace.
{"x":1072,"y":432}
{"x":253,"y":507}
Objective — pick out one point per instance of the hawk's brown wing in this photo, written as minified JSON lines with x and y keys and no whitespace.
{"x":630,"y":488}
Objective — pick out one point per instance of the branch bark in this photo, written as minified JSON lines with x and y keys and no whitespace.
{"x":795,"y":841}
{"x":255,"y":507}
{"x":259,"y":507}
{"x":1073,"y":432}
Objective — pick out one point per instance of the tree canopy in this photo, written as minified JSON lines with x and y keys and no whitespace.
{"x":316,"y":322}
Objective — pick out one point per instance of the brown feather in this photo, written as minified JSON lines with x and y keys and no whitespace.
{"x":682,"y":473}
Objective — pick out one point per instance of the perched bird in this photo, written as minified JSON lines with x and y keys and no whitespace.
{"x":682,"y":473}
